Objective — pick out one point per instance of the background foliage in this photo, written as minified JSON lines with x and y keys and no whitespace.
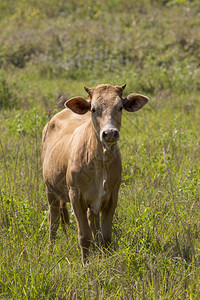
{"x":50,"y":47}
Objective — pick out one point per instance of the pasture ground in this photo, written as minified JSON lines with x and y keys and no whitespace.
{"x":51,"y":47}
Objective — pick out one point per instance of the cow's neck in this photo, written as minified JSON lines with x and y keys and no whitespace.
{"x":100,"y":158}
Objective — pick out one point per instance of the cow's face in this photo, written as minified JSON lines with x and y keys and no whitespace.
{"x":106,"y":104}
{"x":106,"y":110}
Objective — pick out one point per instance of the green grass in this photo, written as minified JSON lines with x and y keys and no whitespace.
{"x":46,"y":50}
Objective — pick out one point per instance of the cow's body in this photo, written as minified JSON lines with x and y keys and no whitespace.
{"x":82,"y":163}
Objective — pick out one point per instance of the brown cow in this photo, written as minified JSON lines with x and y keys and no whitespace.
{"x":82,"y":162}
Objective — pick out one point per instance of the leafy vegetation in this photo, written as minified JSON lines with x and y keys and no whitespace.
{"x":51,"y":47}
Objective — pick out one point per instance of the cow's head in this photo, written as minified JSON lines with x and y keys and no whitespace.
{"x":106,"y":104}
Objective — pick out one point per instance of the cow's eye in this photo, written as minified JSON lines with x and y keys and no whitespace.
{"x":93,"y":110}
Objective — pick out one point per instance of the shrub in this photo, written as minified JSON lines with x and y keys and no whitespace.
{"x":7,"y":98}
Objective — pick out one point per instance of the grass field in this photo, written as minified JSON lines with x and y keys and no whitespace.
{"x":51,"y":47}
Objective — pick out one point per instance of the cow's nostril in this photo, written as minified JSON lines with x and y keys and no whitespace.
{"x":104,"y":135}
{"x":116,"y":134}
{"x":110,"y":135}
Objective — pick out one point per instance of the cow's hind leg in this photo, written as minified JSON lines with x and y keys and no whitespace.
{"x":64,"y":216}
{"x":95,"y":226}
{"x":54,"y":215}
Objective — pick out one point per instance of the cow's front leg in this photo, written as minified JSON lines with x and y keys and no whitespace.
{"x":106,"y":220}
{"x":80,"y":212}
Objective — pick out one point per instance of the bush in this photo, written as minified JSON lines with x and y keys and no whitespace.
{"x":7,"y":98}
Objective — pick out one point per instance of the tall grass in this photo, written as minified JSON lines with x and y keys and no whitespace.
{"x":155,"y":250}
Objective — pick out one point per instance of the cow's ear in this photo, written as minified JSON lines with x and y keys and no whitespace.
{"x":78,"y":105}
{"x":134,"y":102}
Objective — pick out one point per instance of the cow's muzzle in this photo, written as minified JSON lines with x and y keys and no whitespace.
{"x":110,"y":135}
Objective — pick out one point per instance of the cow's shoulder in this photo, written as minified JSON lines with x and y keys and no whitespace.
{"x":67,"y":119}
